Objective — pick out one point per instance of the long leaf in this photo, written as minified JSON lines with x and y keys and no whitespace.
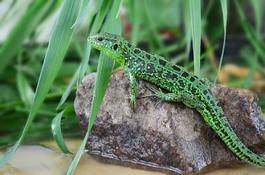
{"x":195,"y":20}
{"x":58,"y":45}
{"x":95,"y":28}
{"x":19,"y":33}
{"x":224,"y":12}
{"x":105,"y":65}
{"x":57,"y":132}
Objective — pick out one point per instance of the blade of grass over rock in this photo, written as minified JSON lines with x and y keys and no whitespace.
{"x":195,"y":24}
{"x":58,"y":45}
{"x":104,"y":8}
{"x":224,"y":12}
{"x":112,"y":25}
{"x":17,"y":36}
{"x":57,"y":132}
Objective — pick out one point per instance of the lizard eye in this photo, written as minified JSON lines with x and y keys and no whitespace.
{"x":115,"y":46}
{"x":100,"y":39}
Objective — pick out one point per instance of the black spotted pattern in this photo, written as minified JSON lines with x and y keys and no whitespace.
{"x":162,"y":62}
{"x":176,"y":68}
{"x":137,"y":51}
{"x":150,"y":68}
{"x":185,"y":74}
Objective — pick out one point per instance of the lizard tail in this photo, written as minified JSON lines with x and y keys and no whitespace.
{"x":219,"y":123}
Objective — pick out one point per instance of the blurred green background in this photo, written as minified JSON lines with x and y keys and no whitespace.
{"x":170,"y":28}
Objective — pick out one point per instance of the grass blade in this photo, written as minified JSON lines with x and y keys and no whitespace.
{"x":105,"y":66}
{"x":104,"y":8}
{"x":137,"y":20}
{"x":152,"y":26}
{"x":58,"y":45}
{"x":25,"y":91}
{"x":195,"y":24}
{"x":251,"y":34}
{"x":14,"y":41}
{"x":187,"y":27}
{"x":83,"y":10}
{"x":224,"y":12}
{"x":257,"y":5}
{"x":57,"y":132}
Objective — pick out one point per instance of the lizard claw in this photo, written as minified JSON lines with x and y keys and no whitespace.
{"x":152,"y":89}
{"x":133,"y":103}
{"x":153,"y":92}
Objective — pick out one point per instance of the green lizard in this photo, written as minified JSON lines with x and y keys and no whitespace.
{"x":181,"y":85}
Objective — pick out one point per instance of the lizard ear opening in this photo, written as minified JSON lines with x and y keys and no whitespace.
{"x":115,"y":47}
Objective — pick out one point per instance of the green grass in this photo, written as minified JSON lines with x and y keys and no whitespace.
{"x":196,"y":32}
{"x":57,"y":132}
{"x":224,"y":12}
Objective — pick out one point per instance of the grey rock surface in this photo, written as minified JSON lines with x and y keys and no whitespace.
{"x":166,"y":136}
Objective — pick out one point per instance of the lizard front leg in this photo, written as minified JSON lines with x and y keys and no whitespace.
{"x":133,"y":89}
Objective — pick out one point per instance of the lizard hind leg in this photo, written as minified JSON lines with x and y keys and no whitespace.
{"x":176,"y":97}
{"x":169,"y":97}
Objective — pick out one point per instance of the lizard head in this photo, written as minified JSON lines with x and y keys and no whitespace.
{"x":110,"y":44}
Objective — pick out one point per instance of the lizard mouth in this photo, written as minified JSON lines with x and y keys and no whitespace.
{"x":92,"y":41}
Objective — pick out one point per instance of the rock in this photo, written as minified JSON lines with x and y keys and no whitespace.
{"x":166,"y":136}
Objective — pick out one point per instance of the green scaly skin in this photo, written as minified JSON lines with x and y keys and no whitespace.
{"x":182,"y":85}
